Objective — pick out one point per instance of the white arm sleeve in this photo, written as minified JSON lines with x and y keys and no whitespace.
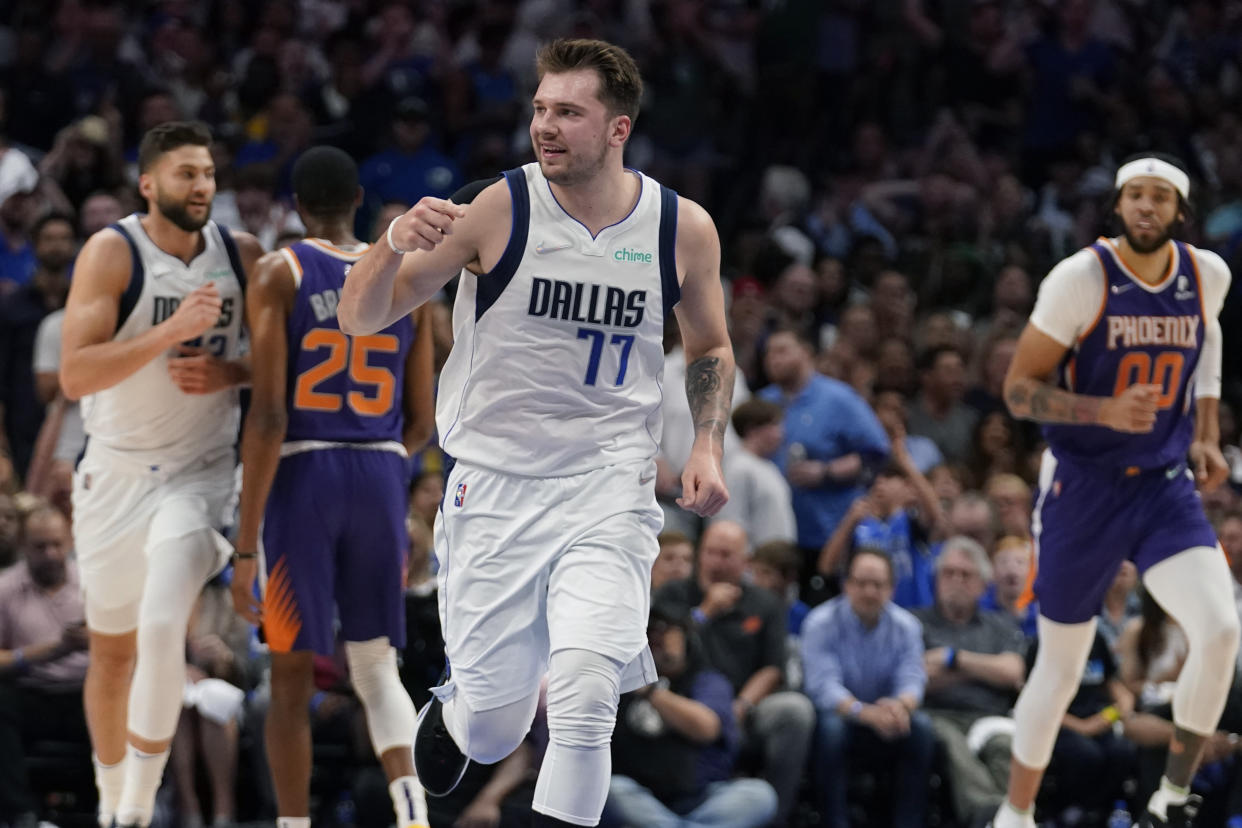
{"x":1070,"y":298}
{"x":47,"y":343}
{"x":1214,"y":280}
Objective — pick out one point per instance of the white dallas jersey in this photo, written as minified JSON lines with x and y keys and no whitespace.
{"x":558,"y":353}
{"x":146,"y":416}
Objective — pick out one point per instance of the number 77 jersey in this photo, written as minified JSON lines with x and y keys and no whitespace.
{"x":342,"y":389}
{"x":1141,"y":334}
{"x":558,"y":353}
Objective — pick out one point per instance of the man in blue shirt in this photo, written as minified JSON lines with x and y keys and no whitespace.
{"x":831,"y":438}
{"x":863,"y":658}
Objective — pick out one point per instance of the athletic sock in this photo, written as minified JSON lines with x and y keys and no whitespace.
{"x":110,"y":781}
{"x":1167,"y":794}
{"x":408,"y":802}
{"x":143,"y":774}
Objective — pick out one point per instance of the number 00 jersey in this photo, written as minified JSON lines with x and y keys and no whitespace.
{"x":558,"y":354}
{"x":342,"y":389}
{"x":146,"y":416}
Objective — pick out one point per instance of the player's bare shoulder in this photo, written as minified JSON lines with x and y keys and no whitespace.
{"x":486,"y":225}
{"x":698,"y":242}
{"x":104,"y":263}
{"x":248,"y":247}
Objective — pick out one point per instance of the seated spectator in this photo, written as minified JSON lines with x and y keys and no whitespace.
{"x":675,"y":561}
{"x":972,"y":515}
{"x":1011,"y":495}
{"x":42,"y":656}
{"x":774,"y":567}
{"x":939,"y":412}
{"x":1121,"y":606}
{"x":759,"y":497}
{"x":1091,"y":758}
{"x":675,"y":742}
{"x":863,"y":657}
{"x":743,"y":631}
{"x":975,"y":662}
{"x":1010,"y":593}
{"x":901,"y":515}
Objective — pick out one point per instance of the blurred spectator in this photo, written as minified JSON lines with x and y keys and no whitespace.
{"x":675,"y":561}
{"x":1010,"y":495}
{"x":42,"y":656}
{"x":743,"y":630}
{"x":84,"y":159}
{"x":252,"y":206}
{"x":994,"y":357}
{"x":425,"y":496}
{"x":99,"y":210}
{"x":901,"y":516}
{"x":1121,"y":605}
{"x":285,"y":132}
{"x":863,"y":657}
{"x":1153,"y":649}
{"x":44,"y":97}
{"x":1091,"y":758}
{"x":385,"y":216}
{"x":759,"y":497}
{"x":65,"y":415}
{"x":893,"y":301}
{"x":997,"y":447}
{"x":9,"y":526}
{"x":975,"y":662}
{"x":893,"y":413}
{"x":830,"y":437}
{"x":1013,"y":562}
{"x":774,"y":567}
{"x":972,"y":515}
{"x":674,"y":742}
{"x":20,"y":315}
{"x":939,"y":411}
{"x":413,"y":167}
{"x":17,"y":259}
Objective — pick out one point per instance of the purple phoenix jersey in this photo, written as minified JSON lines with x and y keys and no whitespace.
{"x":341,"y":388}
{"x":1106,"y":496}
{"x":334,"y":529}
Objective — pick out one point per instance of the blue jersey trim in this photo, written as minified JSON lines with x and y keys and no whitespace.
{"x":129,"y":297}
{"x":494,"y":282}
{"x":670,"y":288}
{"x":230,"y":247}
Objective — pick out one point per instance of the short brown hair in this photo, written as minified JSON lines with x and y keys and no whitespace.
{"x":168,"y":137}
{"x":620,"y":85}
{"x":756,"y":413}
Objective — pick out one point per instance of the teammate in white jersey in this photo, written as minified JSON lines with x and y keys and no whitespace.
{"x":152,"y":344}
{"x":550,"y":404}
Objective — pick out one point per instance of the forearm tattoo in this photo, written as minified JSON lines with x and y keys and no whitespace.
{"x":709,"y":393}
{"x":1030,"y":399}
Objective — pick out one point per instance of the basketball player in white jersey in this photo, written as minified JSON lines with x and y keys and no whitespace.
{"x":152,"y":345}
{"x":550,"y":404}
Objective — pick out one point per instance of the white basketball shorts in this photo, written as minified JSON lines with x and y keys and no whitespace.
{"x":530,"y":566}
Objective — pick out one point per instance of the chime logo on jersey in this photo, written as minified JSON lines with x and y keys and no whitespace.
{"x":459,"y":498}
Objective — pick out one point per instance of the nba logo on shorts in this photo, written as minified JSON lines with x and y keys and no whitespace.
{"x":460,"y":497}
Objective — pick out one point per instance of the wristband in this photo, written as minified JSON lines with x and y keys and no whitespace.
{"x":1111,"y":714}
{"x":950,"y":659}
{"x":698,"y":615}
{"x":19,"y":661}
{"x":244,"y":556}
{"x":394,"y":247}
{"x":856,"y":709}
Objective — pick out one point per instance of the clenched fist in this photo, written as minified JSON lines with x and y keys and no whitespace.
{"x":424,"y":225}
{"x":197,"y":314}
{"x":1133,"y":411}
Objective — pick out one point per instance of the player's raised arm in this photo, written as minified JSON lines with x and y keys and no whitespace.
{"x":421,"y":251}
{"x":92,"y":361}
{"x":268,"y":304}
{"x":709,"y":358}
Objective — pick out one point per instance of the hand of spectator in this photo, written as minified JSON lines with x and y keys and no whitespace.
{"x":425,"y":224}
{"x":860,"y":510}
{"x":807,"y":474}
{"x":844,"y":469}
{"x":196,"y":314}
{"x":1133,"y":411}
{"x":481,"y":813}
{"x":720,"y":598}
{"x":1125,"y":705}
{"x":880,"y":720}
{"x":1220,"y":746}
{"x":74,"y":637}
{"x":1211,"y":468}
{"x":197,"y":372}
{"x":211,"y":652}
{"x":898,"y":713}
{"x":193,"y":674}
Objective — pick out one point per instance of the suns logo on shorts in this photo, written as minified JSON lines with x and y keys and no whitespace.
{"x":459,"y":499}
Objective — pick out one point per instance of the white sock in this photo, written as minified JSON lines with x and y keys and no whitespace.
{"x":408,"y":802}
{"x":1010,"y":817}
{"x":1167,"y":794}
{"x":143,"y":774}
{"x":292,"y":822}
{"x":110,"y":780}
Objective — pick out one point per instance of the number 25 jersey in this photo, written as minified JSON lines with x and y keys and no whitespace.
{"x":558,"y":355}
{"x":342,"y":389}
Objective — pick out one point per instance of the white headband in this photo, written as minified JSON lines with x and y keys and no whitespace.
{"x":1154,"y":168}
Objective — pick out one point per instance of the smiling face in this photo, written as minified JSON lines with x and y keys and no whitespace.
{"x":180,"y":186}
{"x":572,"y":131}
{"x":1148,"y":208}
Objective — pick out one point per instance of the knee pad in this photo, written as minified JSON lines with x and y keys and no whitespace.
{"x":390,"y":713}
{"x":584,"y":689}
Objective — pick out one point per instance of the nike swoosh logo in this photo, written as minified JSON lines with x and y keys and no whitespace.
{"x":1121,"y":288}
{"x":545,"y":247}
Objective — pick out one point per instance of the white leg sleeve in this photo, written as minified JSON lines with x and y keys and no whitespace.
{"x":487,"y":736}
{"x":390,"y":713}
{"x":1063,"y":650}
{"x":176,"y":572}
{"x":583,"y":693}
{"x":1196,"y":590}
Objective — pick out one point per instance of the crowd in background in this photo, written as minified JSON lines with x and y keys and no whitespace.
{"x":891,"y":179}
